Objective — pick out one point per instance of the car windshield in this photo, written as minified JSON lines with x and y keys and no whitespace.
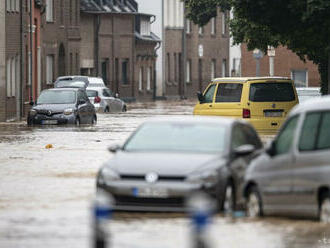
{"x":271,"y":92}
{"x":57,"y":97}
{"x":178,"y":137}
{"x":91,"y":93}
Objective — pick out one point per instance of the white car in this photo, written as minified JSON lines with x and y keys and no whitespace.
{"x":89,"y":81}
{"x":305,"y":93}
{"x":104,"y":100}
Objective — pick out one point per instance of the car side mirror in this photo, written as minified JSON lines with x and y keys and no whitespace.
{"x":244,"y":150}
{"x":271,"y":148}
{"x":200,"y":97}
{"x":114,"y":148}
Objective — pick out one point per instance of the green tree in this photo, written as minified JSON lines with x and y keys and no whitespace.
{"x":301,"y":25}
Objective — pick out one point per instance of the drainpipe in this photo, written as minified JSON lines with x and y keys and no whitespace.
{"x":20,"y":101}
{"x":155,"y":72}
{"x":31,"y":54}
{"x":184,"y":54}
{"x":96,"y":41}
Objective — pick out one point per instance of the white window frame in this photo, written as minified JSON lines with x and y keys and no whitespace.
{"x":223,"y":22}
{"x":8,"y":78}
{"x":141,"y":79}
{"x":301,"y":70}
{"x":213,"y":68}
{"x":17,"y":9}
{"x":213,"y":25}
{"x":50,"y":69}
{"x":188,"y":26}
{"x":224,"y":67}
{"x":200,"y":30}
{"x":13,"y":77}
{"x":149,"y":78}
{"x":50,"y":11}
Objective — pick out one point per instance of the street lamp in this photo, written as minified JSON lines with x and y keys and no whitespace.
{"x":257,"y":54}
{"x":271,"y":55}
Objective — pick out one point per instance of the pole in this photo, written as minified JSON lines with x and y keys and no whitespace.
{"x":31,"y":54}
{"x":271,"y":66}
{"x":257,"y":67}
{"x":184,"y":51}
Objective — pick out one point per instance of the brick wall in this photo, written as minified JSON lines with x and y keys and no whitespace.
{"x":285,"y":62}
{"x":2,"y":61}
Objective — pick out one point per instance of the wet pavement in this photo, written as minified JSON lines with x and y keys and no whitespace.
{"x":46,"y":194}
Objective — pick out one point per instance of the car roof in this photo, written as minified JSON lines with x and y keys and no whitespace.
{"x":225,"y":121}
{"x":313,"y":104}
{"x":66,"y":88}
{"x":308,"y":88}
{"x":246,"y":79}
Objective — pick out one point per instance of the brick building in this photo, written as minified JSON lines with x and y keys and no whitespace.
{"x":117,"y":45}
{"x":2,"y":61}
{"x":286,"y":63}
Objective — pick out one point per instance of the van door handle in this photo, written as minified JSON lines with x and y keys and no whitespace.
{"x":210,"y":105}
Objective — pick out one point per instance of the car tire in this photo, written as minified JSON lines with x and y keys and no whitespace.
{"x":254,"y":203}
{"x":228,"y":203}
{"x":77,"y":121}
{"x":325,"y":209}
{"x":94,"y":120}
{"x":124,"y":109}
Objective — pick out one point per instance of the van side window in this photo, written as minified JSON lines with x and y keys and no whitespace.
{"x":229,"y":92}
{"x":208,"y":96}
{"x":284,"y":141}
{"x":324,"y":135}
{"x":309,"y":132}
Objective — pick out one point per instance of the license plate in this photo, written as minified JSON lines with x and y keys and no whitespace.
{"x":49,"y":122}
{"x":273,"y":114}
{"x":150,"y":192}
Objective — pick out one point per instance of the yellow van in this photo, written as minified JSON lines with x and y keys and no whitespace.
{"x":263,"y":101}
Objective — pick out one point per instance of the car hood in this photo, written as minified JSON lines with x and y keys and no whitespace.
{"x":53,"y":107}
{"x":140,"y":163}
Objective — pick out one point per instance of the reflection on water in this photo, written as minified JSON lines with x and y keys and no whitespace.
{"x":45,"y":194}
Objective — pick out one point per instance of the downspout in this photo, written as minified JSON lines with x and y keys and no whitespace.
{"x":96,"y":42}
{"x":155,"y":72}
{"x":184,"y":53}
{"x":20,"y":111}
{"x":31,"y":55}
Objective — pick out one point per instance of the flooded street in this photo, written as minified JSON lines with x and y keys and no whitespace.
{"x":46,"y":194}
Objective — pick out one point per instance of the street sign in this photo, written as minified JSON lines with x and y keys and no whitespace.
{"x":271,"y":51}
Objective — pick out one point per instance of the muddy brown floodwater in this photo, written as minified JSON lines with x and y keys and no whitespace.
{"x":46,"y":194}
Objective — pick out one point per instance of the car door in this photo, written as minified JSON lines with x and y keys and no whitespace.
{"x":110,"y":100}
{"x":242,"y":134}
{"x":82,"y":107}
{"x":206,"y":107}
{"x":311,"y":169}
{"x":276,"y":178}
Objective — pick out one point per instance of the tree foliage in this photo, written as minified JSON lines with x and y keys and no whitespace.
{"x":301,"y":25}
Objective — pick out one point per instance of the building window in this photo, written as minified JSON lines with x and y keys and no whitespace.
{"x":175,"y":68}
{"x":50,"y":11}
{"x":49,"y":69}
{"x":17,"y":5}
{"x":13,"y":76}
{"x":141,"y":79}
{"x":104,"y":70}
{"x":149,"y":70}
{"x":224,"y":68}
{"x":124,"y":71}
{"x":213,"y":68}
{"x":8,"y":79}
{"x":200,"y":30}
{"x":145,"y":27}
{"x":213,"y":25}
{"x":13,"y":68}
{"x":223,"y":22}
{"x":168,"y":68}
{"x":188,"y":26}
{"x":13,"y":5}
{"x":300,"y":78}
{"x":188,"y":71}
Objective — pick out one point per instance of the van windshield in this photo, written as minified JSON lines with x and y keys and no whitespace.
{"x":271,"y":92}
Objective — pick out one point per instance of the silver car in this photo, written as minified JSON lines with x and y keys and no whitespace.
{"x":104,"y":100}
{"x":305,"y":93}
{"x":167,"y":159}
{"x":292,"y":176}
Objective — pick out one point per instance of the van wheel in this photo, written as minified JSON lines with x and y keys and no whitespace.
{"x":325,"y":209}
{"x":228,"y":205}
{"x":254,"y":203}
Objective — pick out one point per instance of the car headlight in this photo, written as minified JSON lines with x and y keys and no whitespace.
{"x":68,"y":111}
{"x":107,"y":175}
{"x":33,"y":112}
{"x":208,"y":178}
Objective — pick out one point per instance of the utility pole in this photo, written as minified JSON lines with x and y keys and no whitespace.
{"x":271,"y":55}
{"x":257,"y":54}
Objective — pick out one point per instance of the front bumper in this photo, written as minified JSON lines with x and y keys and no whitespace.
{"x":127,"y":198}
{"x":40,"y":119}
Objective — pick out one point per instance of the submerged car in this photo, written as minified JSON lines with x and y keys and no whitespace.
{"x":166,"y":160}
{"x":292,"y":176}
{"x":62,"y":106}
{"x":262,"y":101}
{"x":104,"y":100}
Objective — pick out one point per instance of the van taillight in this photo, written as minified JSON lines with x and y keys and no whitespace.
{"x":246,"y":113}
{"x":97,"y":99}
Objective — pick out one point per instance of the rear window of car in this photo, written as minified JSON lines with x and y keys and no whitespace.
{"x":229,"y":92}
{"x":271,"y":92}
{"x":91,"y":93}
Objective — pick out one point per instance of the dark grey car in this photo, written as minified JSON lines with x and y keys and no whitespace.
{"x":62,"y":106}
{"x":164,"y":161}
{"x":292,"y":176}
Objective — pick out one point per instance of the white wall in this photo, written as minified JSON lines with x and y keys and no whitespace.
{"x":154,"y":7}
